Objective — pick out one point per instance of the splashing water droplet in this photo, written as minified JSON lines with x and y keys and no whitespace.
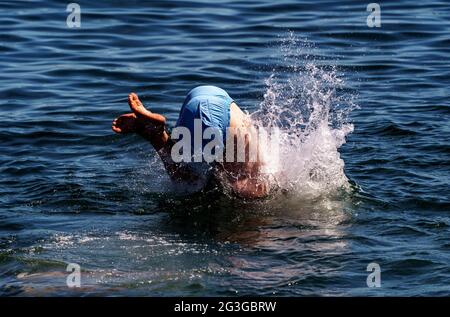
{"x":307,"y":101}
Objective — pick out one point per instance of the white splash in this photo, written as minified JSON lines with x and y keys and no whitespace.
{"x":305,"y":100}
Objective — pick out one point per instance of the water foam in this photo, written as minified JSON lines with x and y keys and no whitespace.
{"x":307,"y":101}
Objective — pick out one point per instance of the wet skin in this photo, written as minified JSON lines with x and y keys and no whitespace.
{"x":242,"y":177}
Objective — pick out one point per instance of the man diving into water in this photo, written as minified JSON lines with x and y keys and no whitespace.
{"x":214,"y":108}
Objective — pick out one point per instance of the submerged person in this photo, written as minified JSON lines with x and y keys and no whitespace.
{"x":214,"y":108}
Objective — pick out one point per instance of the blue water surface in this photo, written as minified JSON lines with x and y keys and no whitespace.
{"x":71,"y":191}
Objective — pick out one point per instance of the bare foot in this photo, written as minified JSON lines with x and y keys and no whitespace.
{"x":138,"y":108}
{"x":147,"y":124}
{"x":126,"y":123}
{"x":139,"y":119}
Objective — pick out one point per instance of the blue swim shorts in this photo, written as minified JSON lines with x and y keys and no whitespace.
{"x":211,"y":105}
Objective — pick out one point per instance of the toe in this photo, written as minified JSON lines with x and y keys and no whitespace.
{"x":136,"y":105}
{"x":132,"y":100}
{"x":133,"y":97}
{"x":116,"y":129}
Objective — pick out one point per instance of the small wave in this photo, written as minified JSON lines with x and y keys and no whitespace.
{"x":394,"y":130}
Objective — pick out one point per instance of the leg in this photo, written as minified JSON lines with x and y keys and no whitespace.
{"x":149,"y":125}
{"x":126,"y":123}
